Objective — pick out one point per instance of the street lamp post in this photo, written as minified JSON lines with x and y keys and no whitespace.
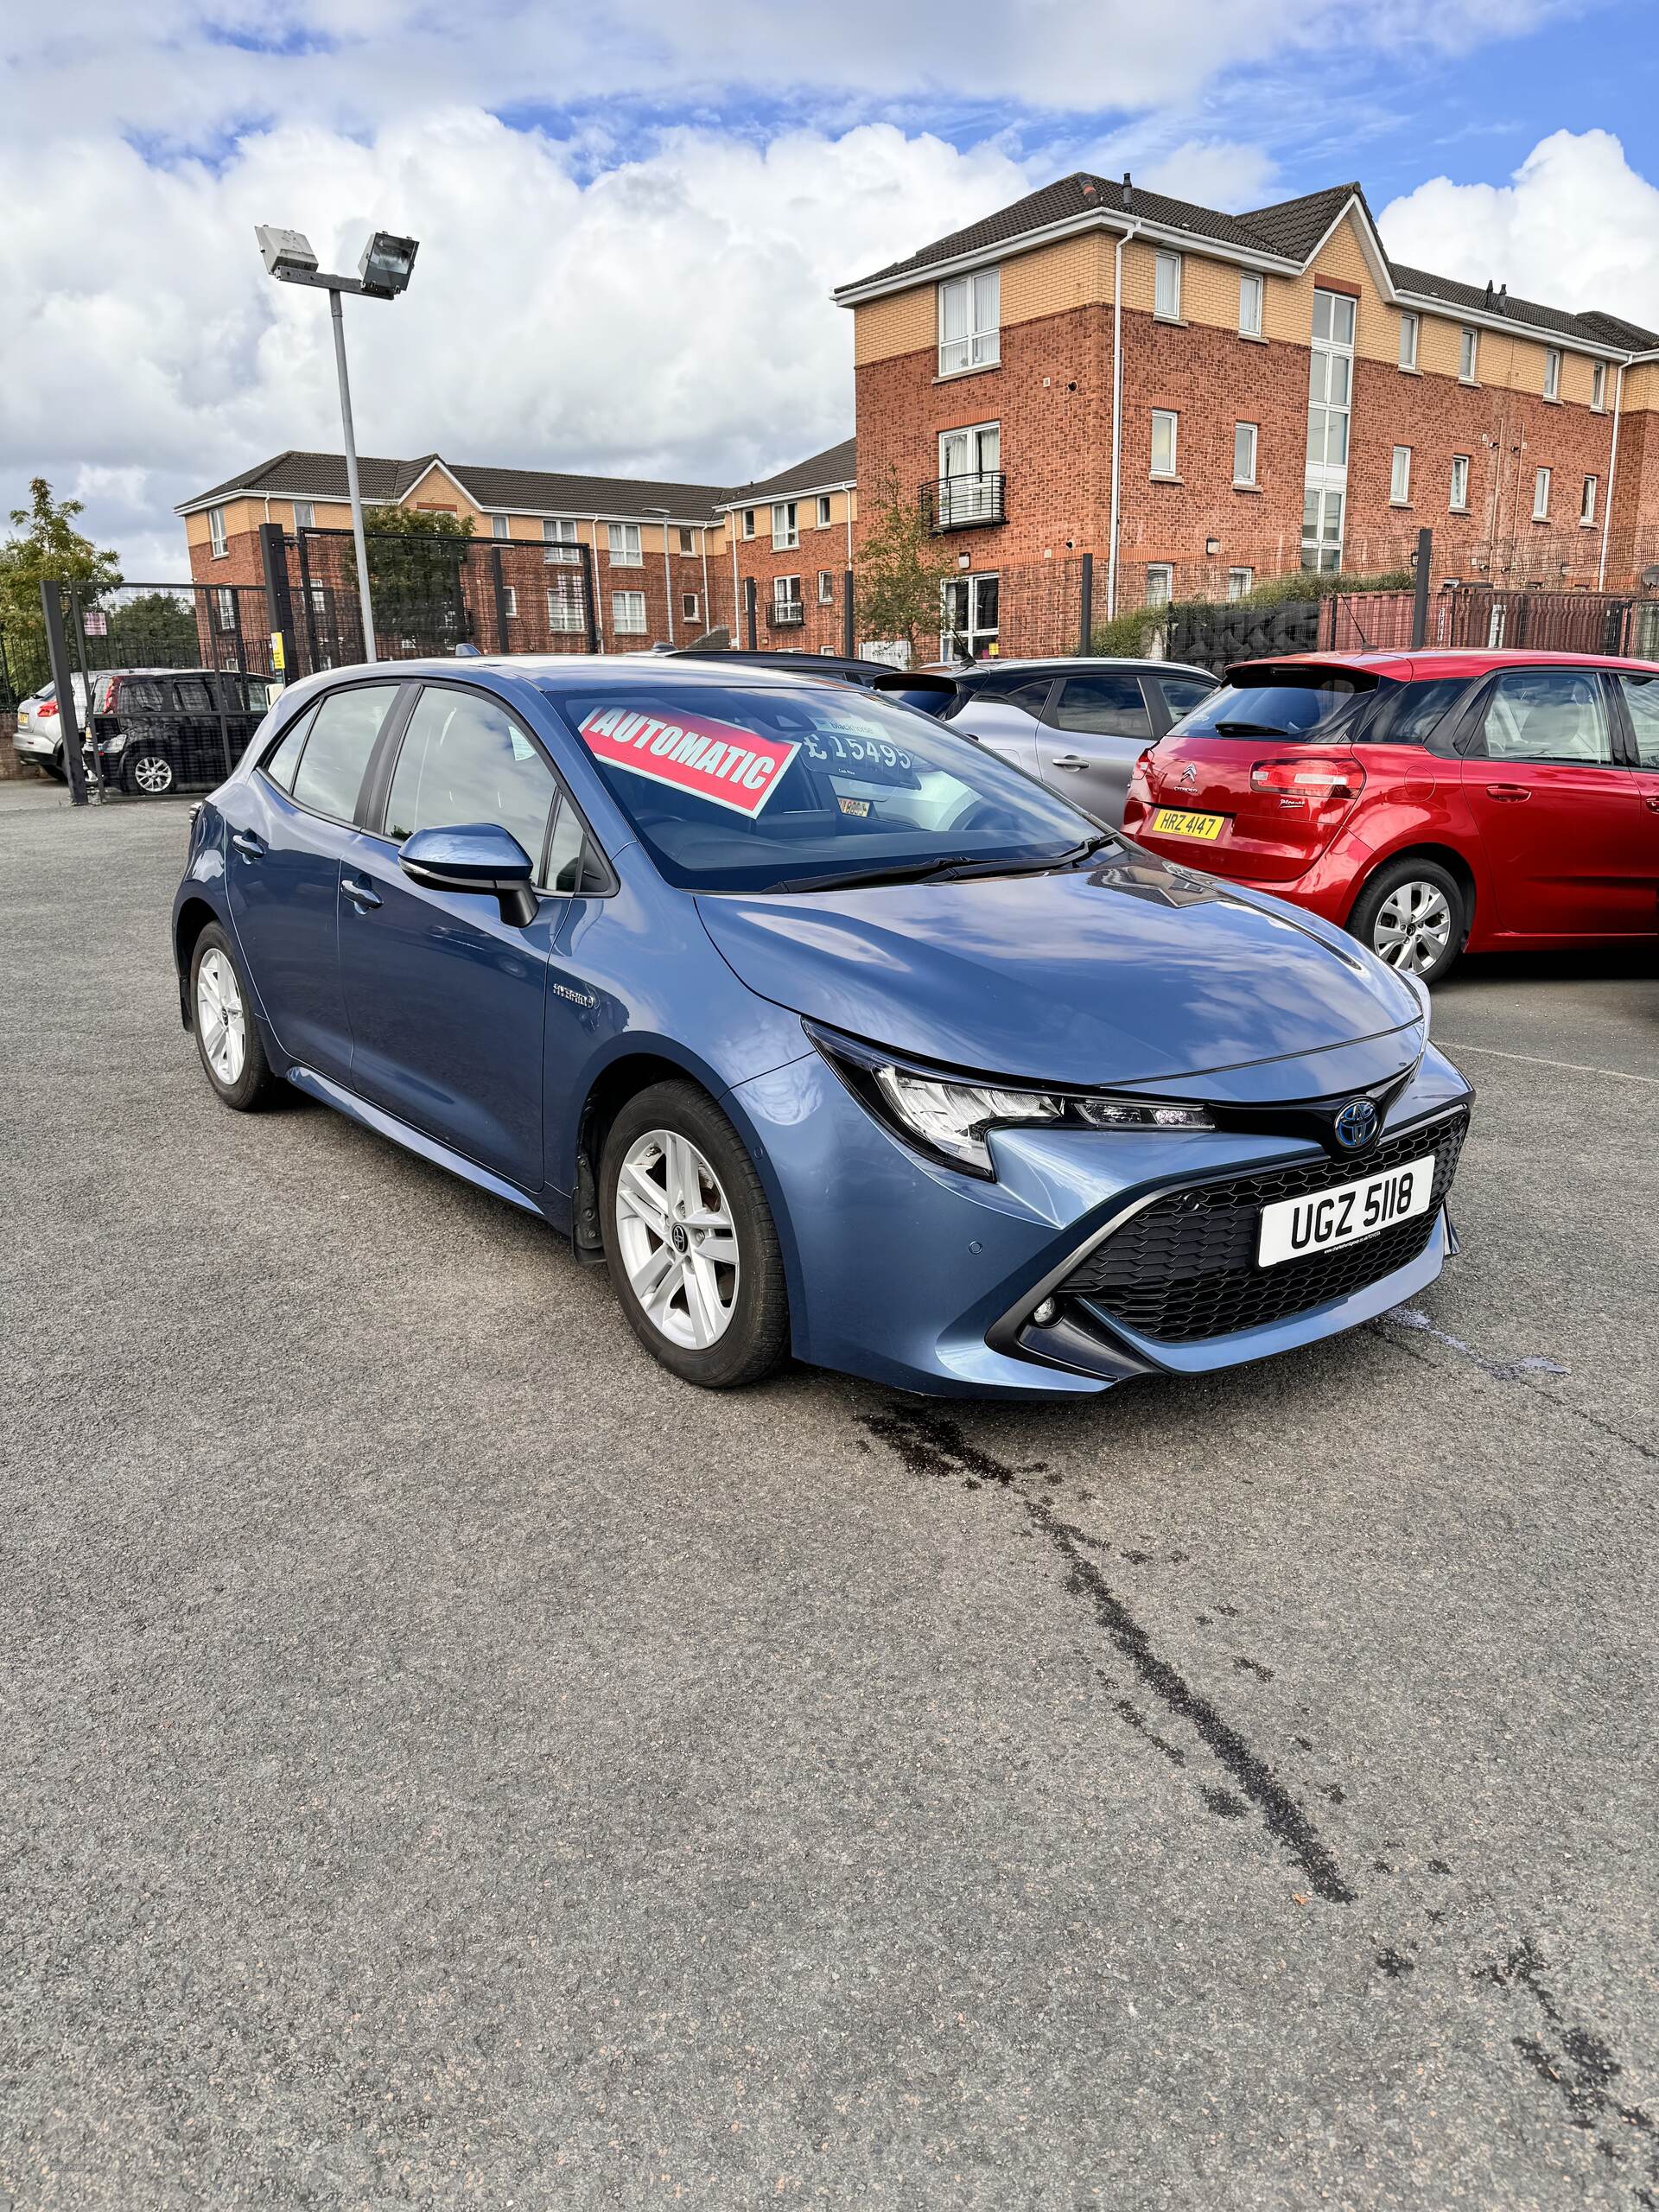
{"x":668,"y":586}
{"x":382,"y":274}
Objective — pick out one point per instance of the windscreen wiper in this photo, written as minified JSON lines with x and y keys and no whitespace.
{"x":1067,"y":859}
{"x":903,"y":872}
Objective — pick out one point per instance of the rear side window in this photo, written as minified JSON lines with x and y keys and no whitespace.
{"x":1416,"y":711}
{"x":464,"y":759}
{"x":1642,"y":697}
{"x":343,"y":737}
{"x":1183,"y":693}
{"x":1102,"y":706}
{"x":139,"y":699}
{"x":193,"y":696}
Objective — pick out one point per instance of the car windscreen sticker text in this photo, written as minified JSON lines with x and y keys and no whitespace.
{"x":739,"y":769}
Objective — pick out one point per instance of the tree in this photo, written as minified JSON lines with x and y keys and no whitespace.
{"x":416,"y":559}
{"x":44,"y":543}
{"x":901,"y":569}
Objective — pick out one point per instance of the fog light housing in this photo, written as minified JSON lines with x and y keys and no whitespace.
{"x":1046,"y":1312}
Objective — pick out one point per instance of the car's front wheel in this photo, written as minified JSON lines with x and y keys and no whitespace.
{"x":1413,"y":915}
{"x":689,"y":1240}
{"x":149,"y":774}
{"x":227,"y":1037}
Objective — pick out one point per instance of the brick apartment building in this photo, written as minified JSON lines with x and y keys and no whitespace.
{"x":792,"y":536}
{"x":1200,"y":400}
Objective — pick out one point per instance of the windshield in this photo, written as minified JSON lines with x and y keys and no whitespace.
{"x":1285,"y":702}
{"x":732,"y":789}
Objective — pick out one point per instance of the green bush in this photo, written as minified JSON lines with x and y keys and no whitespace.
{"x":1128,"y":636}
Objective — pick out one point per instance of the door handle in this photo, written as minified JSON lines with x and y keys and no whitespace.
{"x":1651,"y":801}
{"x":361,"y":895}
{"x":1069,"y":760}
{"x":245,"y":842}
{"x":1509,"y":791}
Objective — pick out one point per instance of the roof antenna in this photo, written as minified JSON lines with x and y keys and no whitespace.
{"x":1128,"y":192}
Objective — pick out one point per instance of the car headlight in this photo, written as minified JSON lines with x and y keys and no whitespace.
{"x":949,"y":1119}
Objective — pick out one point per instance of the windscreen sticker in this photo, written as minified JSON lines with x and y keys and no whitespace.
{"x":728,"y":766}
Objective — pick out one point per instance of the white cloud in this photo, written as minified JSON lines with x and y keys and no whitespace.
{"x":1575,"y":227}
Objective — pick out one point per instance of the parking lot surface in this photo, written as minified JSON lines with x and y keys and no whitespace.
{"x":449,"y":1762}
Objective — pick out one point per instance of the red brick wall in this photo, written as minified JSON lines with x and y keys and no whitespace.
{"x":818,"y":550}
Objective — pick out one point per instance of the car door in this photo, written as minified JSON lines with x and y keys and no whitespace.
{"x":1637,"y":696}
{"x":446,"y":998}
{"x":1558,"y":809}
{"x":289,"y":827}
{"x":1096,"y":727}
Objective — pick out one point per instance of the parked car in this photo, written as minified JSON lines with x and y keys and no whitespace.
{"x":930,"y":689}
{"x":824,"y":1031}
{"x":1430,"y":802}
{"x":156,"y":731}
{"x":39,"y":736}
{"x":1079,"y":725}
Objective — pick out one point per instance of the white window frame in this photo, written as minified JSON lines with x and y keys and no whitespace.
{"x":1552,"y":372}
{"x":976,"y":301}
{"x":1162,"y":594}
{"x":1411,"y":328}
{"x":509,"y":596}
{"x":1252,"y":296}
{"x":687,"y":541}
{"x":1399,"y":477}
{"x":1588,"y":501}
{"x":688,"y":607}
{"x":498,"y":526}
{"x":824,"y":510}
{"x":1454,"y":506}
{"x":748,"y":522}
{"x":624,"y":606}
{"x":225,"y":599}
{"x":559,"y":540}
{"x":1166,"y":286}
{"x":1170,"y":416}
{"x":624,"y":542}
{"x":216,"y":537}
{"x":1468,"y":354}
{"x":564,"y":608}
{"x":1599,"y":386}
{"x":1542,"y":479}
{"x":1247,"y":481}
{"x":1240,"y":582}
{"x":785,"y":526}
{"x":826,"y":587}
{"x":305,"y":514}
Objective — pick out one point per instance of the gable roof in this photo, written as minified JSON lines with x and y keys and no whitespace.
{"x":323,"y":476}
{"x":835,"y":465}
{"x":1290,"y":230}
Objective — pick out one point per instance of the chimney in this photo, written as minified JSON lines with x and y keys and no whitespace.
{"x":1128,"y":194}
{"x":1502,"y":299}
{"x":1487,"y":302}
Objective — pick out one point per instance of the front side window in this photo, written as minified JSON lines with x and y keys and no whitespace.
{"x":1642,"y":701}
{"x":1245,"y":437}
{"x":1160,"y":583}
{"x":216,"y":531}
{"x":1102,"y":706}
{"x":785,"y":527}
{"x":1552,"y":373}
{"x":1167,"y":289}
{"x":1409,"y":330}
{"x":1587,"y":501}
{"x":750,"y":790}
{"x":970,"y":316}
{"x":1249,"y":307}
{"x":338,"y":746}
{"x":1400,"y":476}
{"x":624,"y":539}
{"x":464,"y":759}
{"x":628,"y":614}
{"x":1165,"y":425}
{"x":1459,"y":501}
{"x":1468,"y":354}
{"x":1540,"y":495}
{"x":1546,"y":713}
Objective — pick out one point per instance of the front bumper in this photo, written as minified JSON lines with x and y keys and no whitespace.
{"x":915,"y":1275}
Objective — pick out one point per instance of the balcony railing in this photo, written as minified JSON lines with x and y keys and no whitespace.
{"x":965,"y":502}
{"x":785,"y":614}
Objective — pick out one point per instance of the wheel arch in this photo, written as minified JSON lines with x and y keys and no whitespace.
{"x":1427,"y":848}
{"x":193,"y":916}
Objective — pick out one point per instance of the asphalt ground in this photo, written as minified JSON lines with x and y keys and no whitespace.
{"x":447,"y":1762}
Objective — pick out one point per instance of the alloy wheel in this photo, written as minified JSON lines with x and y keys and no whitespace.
{"x":152,"y":774}
{"x":1413,"y":927}
{"x":677,"y":1239}
{"x":221,"y":1017}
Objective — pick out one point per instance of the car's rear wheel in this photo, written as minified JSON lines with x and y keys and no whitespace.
{"x":689,"y":1240}
{"x":149,"y":773}
{"x":227,"y":1037}
{"x":1413,"y":915}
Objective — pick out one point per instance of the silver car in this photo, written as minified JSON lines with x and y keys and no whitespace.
{"x":39,"y":737}
{"x":1079,"y":725}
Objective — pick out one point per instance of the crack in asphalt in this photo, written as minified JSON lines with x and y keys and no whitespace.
{"x":930,"y":1444}
{"x":1503,"y":1370}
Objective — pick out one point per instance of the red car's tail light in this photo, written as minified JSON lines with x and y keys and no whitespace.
{"x":1314,"y":777}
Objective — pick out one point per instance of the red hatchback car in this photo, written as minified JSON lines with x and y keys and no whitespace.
{"x":1427,"y":801}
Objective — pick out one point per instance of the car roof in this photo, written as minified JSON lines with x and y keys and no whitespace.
{"x":1059,"y":665}
{"x":1404,"y":663}
{"x":545,"y":671}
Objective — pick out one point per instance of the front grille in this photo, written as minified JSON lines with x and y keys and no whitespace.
{"x":1183,"y":1266}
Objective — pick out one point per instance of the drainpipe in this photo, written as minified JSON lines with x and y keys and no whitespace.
{"x":1117,"y":415}
{"x":707,"y":612}
{"x":1612,"y":464}
{"x":731,"y":531}
{"x":599,"y":619}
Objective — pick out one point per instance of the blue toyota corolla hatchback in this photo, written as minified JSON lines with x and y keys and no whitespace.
{"x":826,"y":1031}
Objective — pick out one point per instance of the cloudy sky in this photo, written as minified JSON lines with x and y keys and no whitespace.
{"x":630,"y":215}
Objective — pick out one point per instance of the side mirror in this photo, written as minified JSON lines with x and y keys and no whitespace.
{"x":474,"y":856}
